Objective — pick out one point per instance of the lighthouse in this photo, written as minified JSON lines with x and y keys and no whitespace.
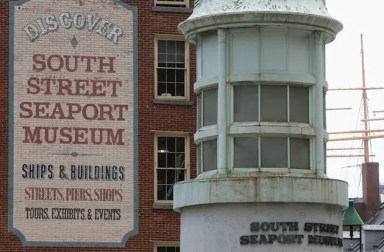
{"x":261,"y":136}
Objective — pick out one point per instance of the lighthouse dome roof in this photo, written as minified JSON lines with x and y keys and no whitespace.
{"x":210,"y":14}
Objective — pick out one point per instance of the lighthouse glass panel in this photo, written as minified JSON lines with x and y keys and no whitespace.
{"x":273,"y":103}
{"x":299,"y":153}
{"x":246,"y":152}
{"x":209,"y":155}
{"x":246,"y":108}
{"x":298,"y":104}
{"x":274,"y":152}
{"x":198,"y":110}
{"x":209,"y":107}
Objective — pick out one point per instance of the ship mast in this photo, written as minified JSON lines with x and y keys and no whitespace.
{"x":365,"y":106}
{"x":365,"y":137}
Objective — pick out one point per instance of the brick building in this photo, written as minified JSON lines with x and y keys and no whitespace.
{"x":164,"y":115}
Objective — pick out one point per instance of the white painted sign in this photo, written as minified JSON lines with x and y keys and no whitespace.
{"x":73,"y":122}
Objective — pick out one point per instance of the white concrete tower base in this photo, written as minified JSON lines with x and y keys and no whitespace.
{"x":263,"y":214}
{"x":227,"y":227}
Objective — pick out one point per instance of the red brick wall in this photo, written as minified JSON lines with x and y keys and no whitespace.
{"x":154,"y":224}
{"x":371,"y":191}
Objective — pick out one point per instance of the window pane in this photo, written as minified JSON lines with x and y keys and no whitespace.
{"x":180,"y":160}
{"x":180,"y":75}
{"x":171,"y":91}
{"x":180,"y":144}
{"x":161,"y":75}
{"x":162,"y":160}
{"x":171,"y":160}
{"x":162,"y":46}
{"x":198,"y":159}
{"x":169,"y":193}
{"x":162,"y":59}
{"x":170,"y":177}
{"x":299,"y":153}
{"x":210,"y":155}
{"x":245,"y":152}
{"x":198,"y":110}
{"x":171,"y":75}
{"x":162,"y":89}
{"x":171,"y":60}
{"x":274,"y":152}
{"x":298,"y":104}
{"x":161,"y":144}
{"x":180,"y":59}
{"x":246,"y":103}
{"x":273,"y":103}
{"x":161,"y":176}
{"x":171,"y":46}
{"x":161,"y":192}
{"x":171,"y":144}
{"x":180,"y":47}
{"x":180,"y":89}
{"x":180,"y":175}
{"x":209,"y":107}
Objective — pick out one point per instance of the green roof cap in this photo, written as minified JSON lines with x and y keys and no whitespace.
{"x":351,"y":217}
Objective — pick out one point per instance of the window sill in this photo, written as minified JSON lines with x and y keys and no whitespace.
{"x":173,"y":102}
{"x":171,"y":9}
{"x":163,"y":206}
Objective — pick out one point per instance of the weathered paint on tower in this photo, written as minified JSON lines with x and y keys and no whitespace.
{"x":261,"y":130}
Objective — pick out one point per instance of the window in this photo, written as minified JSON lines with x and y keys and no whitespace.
{"x":172,"y":163}
{"x":274,"y":103}
{"x":271,"y":152}
{"x":209,"y":152}
{"x":245,"y":152}
{"x":207,"y":156}
{"x":209,"y":106}
{"x":172,"y":3}
{"x":298,"y":104}
{"x":167,"y":248}
{"x":274,"y":152}
{"x":299,"y":153}
{"x":171,"y":78}
{"x":278,"y":103}
{"x":245,"y":100}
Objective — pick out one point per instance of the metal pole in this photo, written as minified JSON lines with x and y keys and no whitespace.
{"x":222,"y":103}
{"x":365,"y":107}
{"x":319,"y":107}
{"x":360,"y":238}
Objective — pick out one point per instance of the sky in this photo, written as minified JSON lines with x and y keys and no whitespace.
{"x":343,"y":70}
